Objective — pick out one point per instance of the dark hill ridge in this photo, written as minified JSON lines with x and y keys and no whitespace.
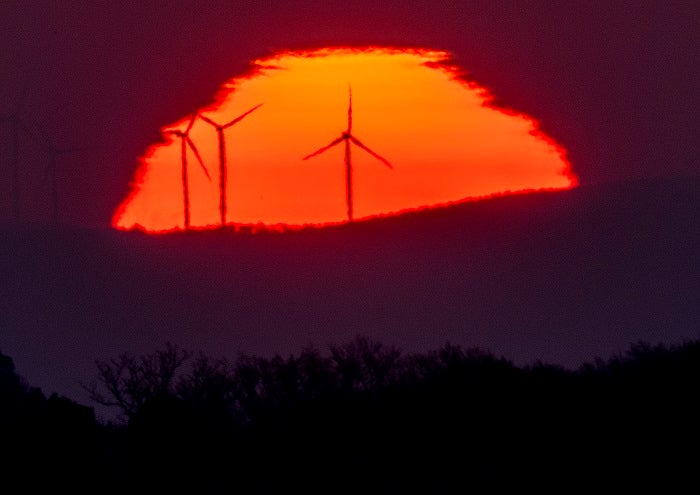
{"x":562,"y":277}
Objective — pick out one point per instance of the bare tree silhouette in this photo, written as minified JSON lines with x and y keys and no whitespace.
{"x":127,"y":381}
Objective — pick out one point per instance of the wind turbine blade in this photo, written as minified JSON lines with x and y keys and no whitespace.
{"x":199,"y":157}
{"x":321,"y":150}
{"x":241,"y":117}
{"x":189,"y":126}
{"x":349,"y":109}
{"x":208,"y":120}
{"x":22,"y":95}
{"x":47,"y":142}
{"x":42,"y":132}
{"x":375,"y":155}
{"x":65,"y":151}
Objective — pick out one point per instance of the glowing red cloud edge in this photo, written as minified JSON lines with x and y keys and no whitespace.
{"x":417,"y":106}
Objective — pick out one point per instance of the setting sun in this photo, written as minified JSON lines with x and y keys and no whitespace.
{"x":421,"y":136}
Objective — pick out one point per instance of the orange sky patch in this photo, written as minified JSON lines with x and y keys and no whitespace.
{"x":445,"y":144}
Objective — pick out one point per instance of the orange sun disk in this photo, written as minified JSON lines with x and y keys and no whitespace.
{"x":445,"y":141}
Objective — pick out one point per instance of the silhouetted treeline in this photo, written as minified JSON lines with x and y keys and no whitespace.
{"x":49,"y":443}
{"x":364,"y":418}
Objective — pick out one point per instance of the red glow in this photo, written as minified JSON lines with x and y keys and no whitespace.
{"x":444,"y":140}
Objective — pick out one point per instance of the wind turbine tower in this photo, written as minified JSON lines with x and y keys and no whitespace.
{"x":18,"y":126}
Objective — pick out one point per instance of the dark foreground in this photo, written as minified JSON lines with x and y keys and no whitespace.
{"x":363,"y":418}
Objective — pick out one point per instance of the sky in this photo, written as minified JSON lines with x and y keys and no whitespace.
{"x":612,"y":82}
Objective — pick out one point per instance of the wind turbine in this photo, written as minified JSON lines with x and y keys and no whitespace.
{"x":185,"y":142}
{"x":348,"y":137}
{"x":18,"y":126}
{"x":54,"y":153}
{"x":222,"y":156}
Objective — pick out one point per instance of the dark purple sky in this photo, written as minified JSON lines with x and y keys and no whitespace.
{"x":614,"y":82}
